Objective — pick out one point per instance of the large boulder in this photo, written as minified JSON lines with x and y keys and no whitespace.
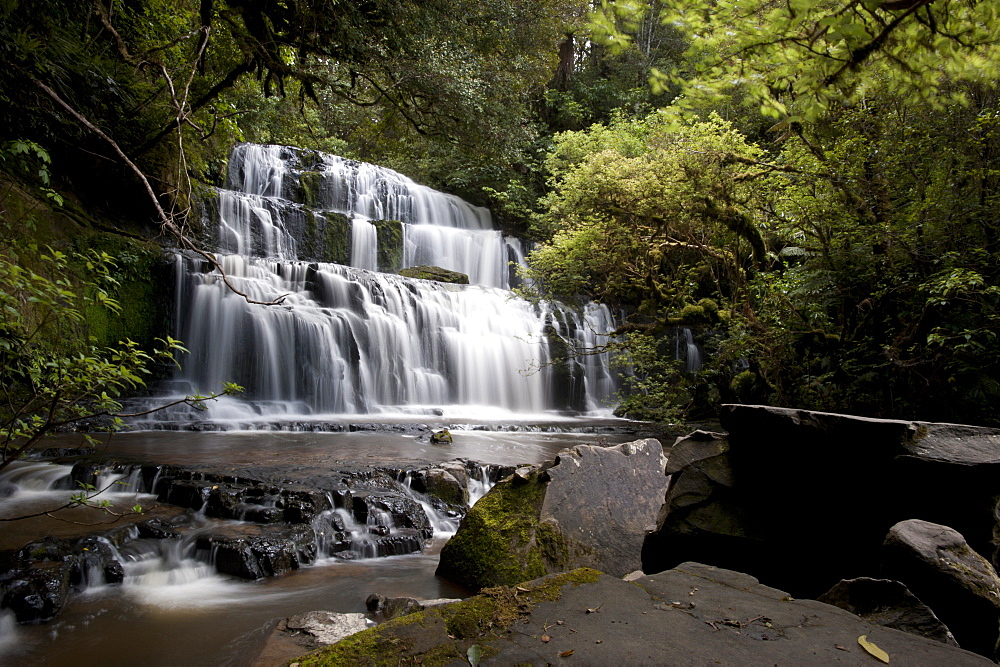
{"x":691,"y":615}
{"x":962,"y":588}
{"x":804,"y":499}
{"x":591,"y":507}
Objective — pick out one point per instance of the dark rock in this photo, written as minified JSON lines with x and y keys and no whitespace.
{"x":937,"y":564}
{"x":157,"y":529}
{"x":593,"y":507}
{"x":442,"y":437}
{"x":787,"y":487}
{"x":435,"y":273}
{"x":889,"y":603}
{"x":36,"y":593}
{"x":270,"y":552}
{"x":444,"y":485}
{"x":383,"y":608}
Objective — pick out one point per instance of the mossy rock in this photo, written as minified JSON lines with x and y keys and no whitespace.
{"x":500,"y":542}
{"x":435,"y":273}
{"x":326,"y":238}
{"x":309,"y":188}
{"x":390,"y":245}
{"x":142,"y":269}
{"x":443,"y":634}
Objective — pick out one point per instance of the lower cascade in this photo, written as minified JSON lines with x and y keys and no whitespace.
{"x":348,"y":339}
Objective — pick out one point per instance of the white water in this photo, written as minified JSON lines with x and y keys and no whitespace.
{"x":349,"y":340}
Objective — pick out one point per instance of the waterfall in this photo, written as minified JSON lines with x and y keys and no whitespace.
{"x":687,"y":350}
{"x":351,"y":336}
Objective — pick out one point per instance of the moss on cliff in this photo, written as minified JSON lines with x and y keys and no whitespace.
{"x":144,"y":276}
{"x":435,"y":273}
{"x":390,"y":245}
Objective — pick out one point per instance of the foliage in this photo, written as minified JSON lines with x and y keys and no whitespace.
{"x":799,"y":59}
{"x":651,"y":214}
{"x":438,"y":89}
{"x":655,"y":389}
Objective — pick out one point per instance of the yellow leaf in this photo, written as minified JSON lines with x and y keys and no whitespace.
{"x":874,"y":650}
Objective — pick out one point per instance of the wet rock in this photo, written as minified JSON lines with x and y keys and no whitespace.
{"x":383,"y":608}
{"x":442,"y":437}
{"x":592,"y":507}
{"x":444,"y":485}
{"x":937,"y":564}
{"x":45,"y":571}
{"x":270,"y":552}
{"x":889,"y":603}
{"x":327,"y":627}
{"x":157,"y":529}
{"x":36,"y":593}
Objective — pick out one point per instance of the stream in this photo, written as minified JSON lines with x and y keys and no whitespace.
{"x":174,"y":608}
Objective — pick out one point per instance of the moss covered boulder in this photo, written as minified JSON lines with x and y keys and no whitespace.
{"x":435,"y":273}
{"x":591,"y":507}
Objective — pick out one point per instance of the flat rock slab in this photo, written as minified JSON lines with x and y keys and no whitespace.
{"x":692,"y":615}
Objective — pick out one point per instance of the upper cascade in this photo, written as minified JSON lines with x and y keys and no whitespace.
{"x":288,"y":203}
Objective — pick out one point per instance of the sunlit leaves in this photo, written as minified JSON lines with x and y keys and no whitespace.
{"x":799,"y":59}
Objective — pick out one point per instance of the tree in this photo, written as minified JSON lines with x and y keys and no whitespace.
{"x":651,"y":214}
{"x":798,"y":59}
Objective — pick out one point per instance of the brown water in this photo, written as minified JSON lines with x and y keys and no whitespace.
{"x":179,"y":612}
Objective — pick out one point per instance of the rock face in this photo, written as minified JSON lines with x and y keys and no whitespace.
{"x":962,"y":588}
{"x":803,"y":499}
{"x":591,"y":507}
{"x":888,"y":602}
{"x":691,"y":615}
{"x":44,"y":573}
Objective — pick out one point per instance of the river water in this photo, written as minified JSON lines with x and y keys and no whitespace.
{"x":175,"y":610}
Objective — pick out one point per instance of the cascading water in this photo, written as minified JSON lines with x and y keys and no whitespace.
{"x":316,"y":229}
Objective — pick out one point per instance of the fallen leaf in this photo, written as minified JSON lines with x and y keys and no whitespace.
{"x":566,"y":654}
{"x":474,"y":653}
{"x":874,"y":650}
{"x":546,"y":638}
{"x":842,"y":648}
{"x":596,"y":609}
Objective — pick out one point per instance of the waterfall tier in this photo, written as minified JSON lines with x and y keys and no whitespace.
{"x":291,"y":204}
{"x":350,"y":336}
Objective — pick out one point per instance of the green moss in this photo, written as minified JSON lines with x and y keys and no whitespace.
{"x":435,"y":273}
{"x":370,"y":647}
{"x":141,"y":271}
{"x":553,"y":545}
{"x":336,"y":238}
{"x":309,"y":182}
{"x":496,"y":544}
{"x":309,"y":247}
{"x":390,"y":245}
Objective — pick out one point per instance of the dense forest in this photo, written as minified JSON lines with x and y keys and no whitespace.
{"x":810,"y":188}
